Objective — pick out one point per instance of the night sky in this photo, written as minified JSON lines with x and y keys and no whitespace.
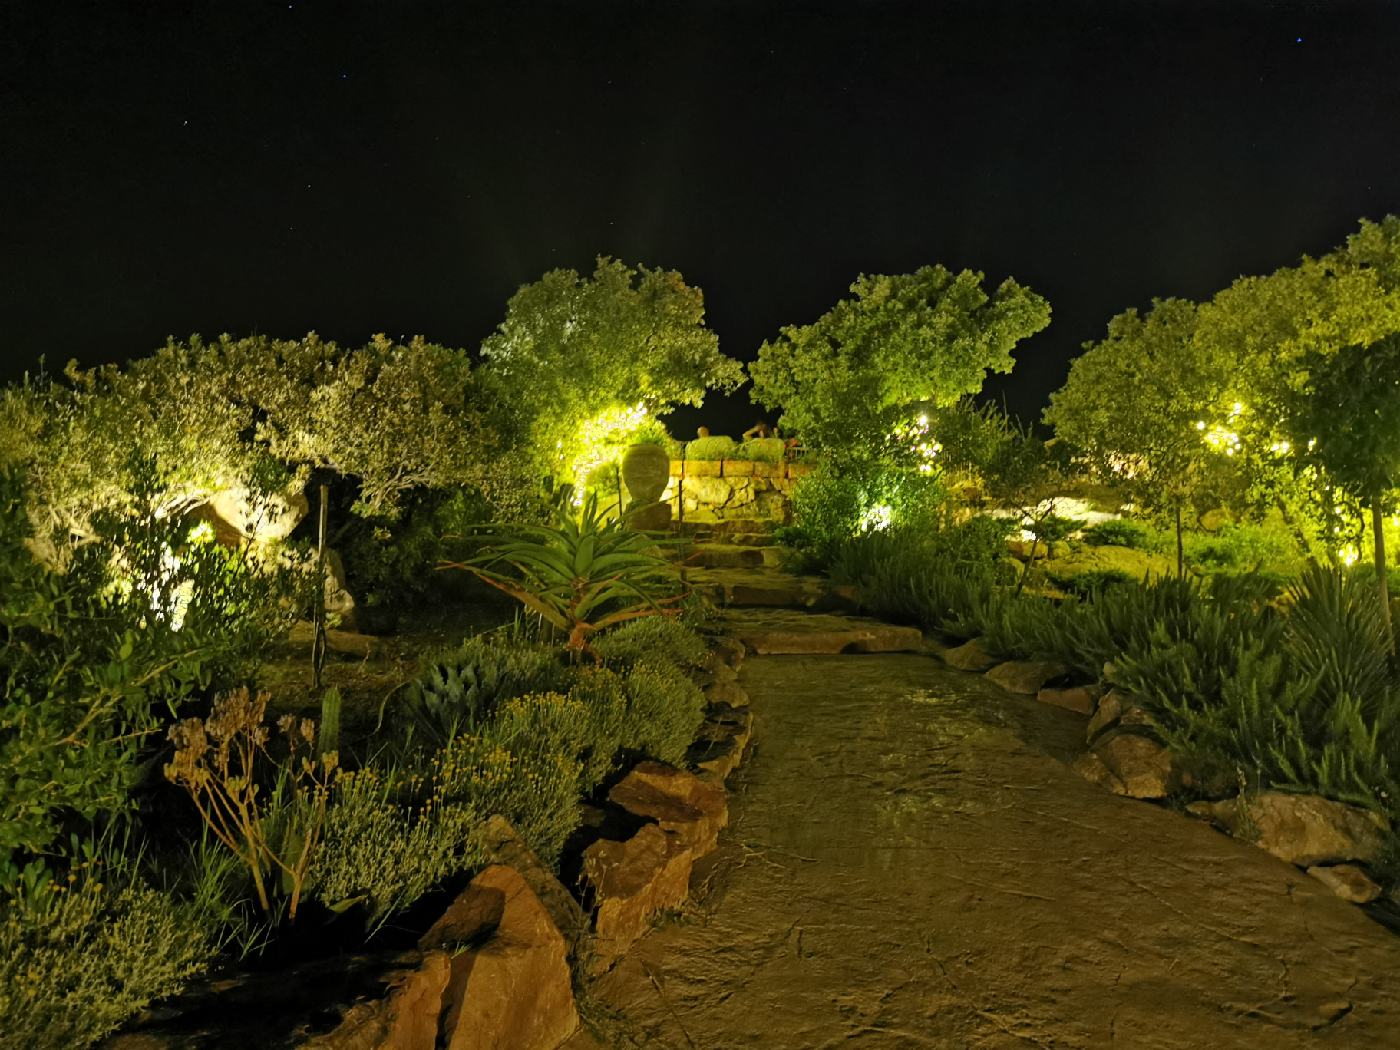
{"x":402,"y":167}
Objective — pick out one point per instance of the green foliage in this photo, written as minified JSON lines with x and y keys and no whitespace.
{"x":829,"y":507}
{"x":78,"y":959}
{"x":459,"y":689}
{"x":385,"y":846}
{"x":603,"y":694}
{"x":1118,"y":532}
{"x":388,"y":563}
{"x":526,"y":779}
{"x":655,"y":637}
{"x":229,"y":414}
{"x":712,"y":448}
{"x":94,"y":659}
{"x":757,"y":450}
{"x":901,"y":343}
{"x":1240,"y":548}
{"x":328,"y":729}
{"x":223,"y":761}
{"x":573,"y":349}
{"x":664,"y":710}
{"x":581,"y":575}
{"x":1140,"y":406}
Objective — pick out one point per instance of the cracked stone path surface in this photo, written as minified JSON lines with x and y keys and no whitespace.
{"x":908,"y":865}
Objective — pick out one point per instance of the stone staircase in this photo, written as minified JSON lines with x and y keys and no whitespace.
{"x":737,"y":564}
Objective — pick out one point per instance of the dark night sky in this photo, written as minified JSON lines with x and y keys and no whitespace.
{"x":400,"y":166}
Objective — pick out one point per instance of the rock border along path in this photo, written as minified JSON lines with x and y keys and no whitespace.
{"x":912,"y":863}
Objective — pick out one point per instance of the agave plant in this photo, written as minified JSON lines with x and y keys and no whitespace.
{"x":581,"y":575}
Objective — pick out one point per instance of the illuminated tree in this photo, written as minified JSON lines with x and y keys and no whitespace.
{"x":579,"y":358}
{"x":900,"y":345}
{"x":1136,"y":406}
{"x":236,"y":413}
{"x":1347,"y":421}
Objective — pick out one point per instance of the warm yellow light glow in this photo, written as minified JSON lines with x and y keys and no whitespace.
{"x":914,"y":436}
{"x":877,"y":518}
{"x":601,"y":440}
{"x":1348,"y":555}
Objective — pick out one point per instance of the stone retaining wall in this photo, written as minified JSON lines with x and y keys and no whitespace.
{"x":716,"y":490}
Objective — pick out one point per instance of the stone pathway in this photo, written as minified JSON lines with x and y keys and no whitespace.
{"x":911,"y":864}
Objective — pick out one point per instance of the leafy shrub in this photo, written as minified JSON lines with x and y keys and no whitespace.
{"x":461,"y":688}
{"x":384,"y":849}
{"x":758,"y":450}
{"x":1118,"y":532}
{"x":534,"y":786}
{"x":95,"y":659}
{"x":1239,"y":548}
{"x":603,"y":694}
{"x":664,"y":711}
{"x":711,"y":448}
{"x":78,"y":959}
{"x":1090,"y":583}
{"x":761,"y":450}
{"x":388,"y":563}
{"x":657,"y":637}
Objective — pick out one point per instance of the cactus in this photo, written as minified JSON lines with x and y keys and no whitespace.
{"x":328,"y":739}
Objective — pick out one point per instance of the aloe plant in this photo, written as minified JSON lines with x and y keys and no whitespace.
{"x":581,"y":575}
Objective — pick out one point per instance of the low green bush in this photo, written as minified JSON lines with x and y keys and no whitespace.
{"x":80,"y":957}
{"x":384,"y":847}
{"x":533,"y":785}
{"x":1118,"y":532}
{"x":711,"y":448}
{"x":1239,"y":548}
{"x":664,"y":711}
{"x":663,"y":637}
{"x":95,"y":660}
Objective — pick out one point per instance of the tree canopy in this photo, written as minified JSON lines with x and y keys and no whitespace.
{"x":901,"y":342}
{"x":256,"y":414}
{"x":573,"y":350}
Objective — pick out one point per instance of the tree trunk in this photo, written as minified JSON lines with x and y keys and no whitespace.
{"x":1180,"y":549}
{"x":1021,"y":585}
{"x":1383,"y":586}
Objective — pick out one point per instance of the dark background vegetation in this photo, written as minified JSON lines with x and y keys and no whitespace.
{"x":372,"y":166}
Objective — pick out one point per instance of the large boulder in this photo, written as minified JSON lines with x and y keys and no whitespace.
{"x":510,"y":988}
{"x":970,"y":656}
{"x":1142,"y":766}
{"x":1307,"y":830}
{"x":340,"y":603}
{"x":678,"y":801}
{"x":1347,"y":881}
{"x":631,"y":881}
{"x":1026,"y":677}
{"x":1117,"y":709}
{"x":726,"y":691}
{"x":504,"y":846}
{"x":405,"y":1019}
{"x":1080,"y":699}
{"x":271,"y":517}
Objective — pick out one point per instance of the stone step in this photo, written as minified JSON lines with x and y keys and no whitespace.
{"x":766,"y":588}
{"x":733,"y":556}
{"x":790,"y":633}
{"x":724,"y":529}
